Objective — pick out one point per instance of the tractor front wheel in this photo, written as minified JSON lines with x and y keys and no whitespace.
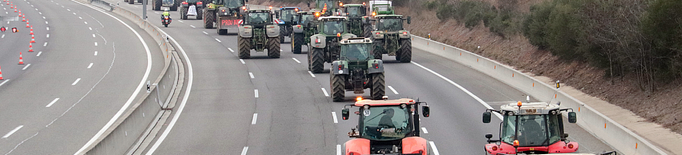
{"x":368,"y":31}
{"x":378,"y":48}
{"x":378,"y":88}
{"x":405,"y":54}
{"x":338,"y":85}
{"x":273,"y":47}
{"x":157,"y":5}
{"x":199,"y":13}
{"x":209,"y":18}
{"x":297,"y":42}
{"x":183,"y":13}
{"x":244,"y":47}
{"x":317,"y":60}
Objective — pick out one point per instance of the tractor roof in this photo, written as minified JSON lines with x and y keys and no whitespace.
{"x":258,"y":7}
{"x":332,"y":17}
{"x":352,"y":5}
{"x":289,"y":8}
{"x":531,"y":108}
{"x":389,"y":16}
{"x":375,"y":103}
{"x":356,"y":41}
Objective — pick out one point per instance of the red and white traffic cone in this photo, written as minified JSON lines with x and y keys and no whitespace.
{"x":20,"y":14}
{"x":23,"y":19}
{"x":21,"y":59}
{"x":33,"y":39}
{"x":31,"y":32}
{"x":30,"y":47}
{"x":27,"y":26}
{"x":1,"y":74}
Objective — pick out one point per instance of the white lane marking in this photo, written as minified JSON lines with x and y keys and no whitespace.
{"x":25,"y":67}
{"x":41,"y":52}
{"x":311,"y":73}
{"x":90,"y":66}
{"x":4,"y":82}
{"x":90,"y":28}
{"x":251,"y":75}
{"x":45,"y":22}
{"x":243,"y":63}
{"x":68,"y":10}
{"x":394,"y":92}
{"x":192,"y":26}
{"x":12,"y":132}
{"x":296,"y":60}
{"x":325,"y":92}
{"x":216,"y":39}
{"x":85,"y":23}
{"x":45,"y":44}
{"x":230,"y":50}
{"x":137,"y":90}
{"x":51,"y":103}
{"x":43,"y":17}
{"x":255,"y":117}
{"x":95,"y":53}
{"x":334,"y":116}
{"x":281,"y":50}
{"x":76,"y":82}
{"x":255,"y":91}
{"x":74,"y":13}
{"x":95,"y":43}
{"x":48,"y":35}
{"x":338,"y":149}
{"x":47,"y":28}
{"x":80,"y":17}
{"x":205,"y":32}
{"x":156,"y":13}
{"x":460,"y":87}
{"x":40,"y":13}
{"x":93,"y":35}
{"x":424,"y":130}
{"x":433,"y":147}
{"x":246,"y":148}
{"x":3,"y":36}
{"x":180,"y":21}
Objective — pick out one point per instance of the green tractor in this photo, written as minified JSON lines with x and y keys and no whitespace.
{"x":326,"y":7}
{"x":325,"y":44}
{"x":391,"y":38}
{"x":224,"y":15}
{"x":191,"y":8}
{"x":358,"y":21}
{"x":286,"y":16}
{"x":305,"y":28}
{"x":258,"y":32}
{"x":357,"y":70}
{"x":171,"y":4}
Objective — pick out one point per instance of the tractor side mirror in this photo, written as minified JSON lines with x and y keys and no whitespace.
{"x":426,"y":111}
{"x":486,"y":117}
{"x":345,"y":113}
{"x":488,"y":135}
{"x":571,"y":117}
{"x":409,"y":19}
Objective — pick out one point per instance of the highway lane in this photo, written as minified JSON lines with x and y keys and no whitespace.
{"x":91,"y":68}
{"x":456,"y":126}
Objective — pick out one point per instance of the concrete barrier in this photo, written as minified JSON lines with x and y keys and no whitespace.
{"x":614,"y":134}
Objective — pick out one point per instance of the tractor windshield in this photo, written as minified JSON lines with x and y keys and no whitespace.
{"x":333,"y":27}
{"x":288,"y":15}
{"x":355,"y":51}
{"x":355,"y":11}
{"x":534,"y":130}
{"x":307,"y":18}
{"x":322,"y":3}
{"x":385,"y":123}
{"x":257,"y":18}
{"x":233,"y":3}
{"x":390,"y":24}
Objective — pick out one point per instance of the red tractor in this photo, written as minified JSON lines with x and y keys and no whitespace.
{"x":386,"y":127}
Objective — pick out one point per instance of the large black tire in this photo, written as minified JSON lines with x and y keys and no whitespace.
{"x":282,"y":31}
{"x":125,"y":0}
{"x":338,"y":85}
{"x":157,"y":5}
{"x":244,"y":47}
{"x":221,"y":31}
{"x":368,"y":31}
{"x":317,"y":60}
{"x":175,"y":6}
{"x":199,"y":13}
{"x":378,"y":48}
{"x":273,"y":47}
{"x":131,"y":1}
{"x":183,"y":13}
{"x":297,"y":40}
{"x":209,"y":18}
{"x":378,"y":88}
{"x":405,"y":53}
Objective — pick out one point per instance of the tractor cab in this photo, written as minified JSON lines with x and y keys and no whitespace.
{"x":356,"y":50}
{"x":355,"y":10}
{"x":390,"y":22}
{"x":258,"y":17}
{"x":531,"y":128}
{"x":332,"y":25}
{"x":386,"y":127}
{"x":287,"y":15}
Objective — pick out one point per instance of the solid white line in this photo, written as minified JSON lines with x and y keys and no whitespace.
{"x":338,"y":149}
{"x":246,"y":148}
{"x":192,"y":26}
{"x":296,"y":60}
{"x":424,"y":130}
{"x":243,"y":63}
{"x":394,"y":92}
{"x":4,"y":82}
{"x":255,"y":117}
{"x":251,"y":75}
{"x":325,"y":92}
{"x":205,"y":32}
{"x":460,"y":87}
{"x":255,"y":91}
{"x":12,"y":132}
{"x":76,"y":82}
{"x":53,"y":101}
{"x":216,"y":39}
{"x":93,"y":35}
{"x":433,"y":147}
{"x":26,"y":67}
{"x":95,"y":43}
{"x":231,"y":50}
{"x":45,"y":44}
{"x":311,"y":73}
{"x":95,"y":53}
{"x":90,"y":66}
{"x":90,"y":28}
{"x":137,"y":90}
{"x":41,"y":52}
{"x":334,"y":116}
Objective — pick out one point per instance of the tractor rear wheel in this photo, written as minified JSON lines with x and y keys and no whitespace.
{"x":338,"y":85}
{"x":131,"y":1}
{"x":199,"y":13}
{"x":175,"y":6}
{"x":368,"y":31}
{"x":157,"y":5}
{"x":209,"y":18}
{"x":244,"y":47}
{"x":297,"y":40}
{"x":317,"y":60}
{"x":405,"y":54}
{"x":273,"y":47}
{"x":183,"y":13}
{"x":378,"y":88}
{"x":378,"y":48}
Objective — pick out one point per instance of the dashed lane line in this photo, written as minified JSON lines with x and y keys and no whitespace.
{"x":255,"y":91}
{"x":48,"y":35}
{"x":216,"y":39}
{"x":95,"y":53}
{"x":338,"y":149}
{"x":95,"y":43}
{"x":433,"y":147}
{"x":90,"y":28}
{"x":51,"y":103}
{"x":242,"y":60}
{"x":296,"y":60}
{"x":7,"y":80}
{"x":192,"y":26}
{"x":25,"y":67}
{"x":41,"y":52}
{"x":90,"y":66}
{"x":246,"y":148}
{"x":334,"y":116}
{"x":206,"y":33}
{"x":325,"y":92}
{"x":93,"y":35}
{"x":424,"y":130}
{"x":311,"y":73}
{"x":394,"y":92}
{"x":12,"y":132}
{"x":76,"y":82}
{"x":230,"y":50}
{"x":45,"y":44}
{"x":255,"y":117}
{"x":251,"y":75}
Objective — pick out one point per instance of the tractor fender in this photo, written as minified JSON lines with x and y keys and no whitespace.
{"x":246,"y":31}
{"x":272,"y":30}
{"x":357,"y":146}
{"x":404,"y":34}
{"x":297,"y":28}
{"x":414,"y":145}
{"x":375,"y":66}
{"x":335,"y":67}
{"x":377,"y":35}
{"x":322,"y":41}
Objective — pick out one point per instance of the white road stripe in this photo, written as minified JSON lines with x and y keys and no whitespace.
{"x":334,"y":116}
{"x":255,"y":91}
{"x":68,"y":9}
{"x":325,"y":92}
{"x":85,"y":22}
{"x":192,"y":26}
{"x":43,"y":17}
{"x":41,"y":52}
{"x":424,"y":130}
{"x":53,"y":101}
{"x":296,"y":60}
{"x":4,"y":82}
{"x":45,"y":44}
{"x":26,"y":67}
{"x":3,"y":35}
{"x":180,"y":21}
{"x":48,"y":28}
{"x":433,"y":147}
{"x":95,"y":43}
{"x":95,"y":53}
{"x":12,"y":132}
{"x":338,"y":149}
{"x":311,"y":73}
{"x":246,"y":148}
{"x":255,"y":117}
{"x":74,"y":13}
{"x":48,"y":36}
{"x":40,"y":13}
{"x":90,"y":28}
{"x":80,"y":17}
{"x":90,"y":66}
{"x":204,"y":32}
{"x":76,"y":82}
{"x":243,"y":63}
{"x":281,"y":50}
{"x":93,"y":35}
{"x":216,"y":39}
{"x":394,"y":92}
{"x":251,"y":75}
{"x":46,"y":22}
{"x":230,"y":50}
